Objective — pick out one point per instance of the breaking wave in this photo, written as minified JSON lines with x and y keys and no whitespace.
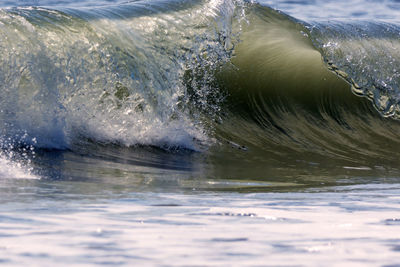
{"x":196,"y":74}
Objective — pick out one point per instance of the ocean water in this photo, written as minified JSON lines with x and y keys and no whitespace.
{"x":199,"y":133}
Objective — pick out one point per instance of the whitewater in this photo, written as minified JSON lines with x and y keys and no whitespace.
{"x":187,"y":132}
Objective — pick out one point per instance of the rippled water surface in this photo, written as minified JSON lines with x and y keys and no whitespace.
{"x":66,"y":223}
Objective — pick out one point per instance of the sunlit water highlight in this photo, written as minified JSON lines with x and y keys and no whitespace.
{"x":54,"y":224}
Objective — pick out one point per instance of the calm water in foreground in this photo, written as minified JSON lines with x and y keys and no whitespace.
{"x":64,"y":223}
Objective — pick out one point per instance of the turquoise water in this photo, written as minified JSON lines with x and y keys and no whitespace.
{"x":199,"y":133}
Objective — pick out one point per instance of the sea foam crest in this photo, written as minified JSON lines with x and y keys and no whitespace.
{"x":109,"y":74}
{"x":367,"y":55}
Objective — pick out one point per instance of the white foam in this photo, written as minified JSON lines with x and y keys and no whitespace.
{"x":111,"y":79}
{"x":15,"y":169}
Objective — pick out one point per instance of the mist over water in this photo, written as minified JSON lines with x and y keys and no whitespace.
{"x":199,"y":132}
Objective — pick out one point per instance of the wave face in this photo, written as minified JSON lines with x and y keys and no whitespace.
{"x":112,"y":74}
{"x":199,"y":74}
{"x":289,"y":99}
